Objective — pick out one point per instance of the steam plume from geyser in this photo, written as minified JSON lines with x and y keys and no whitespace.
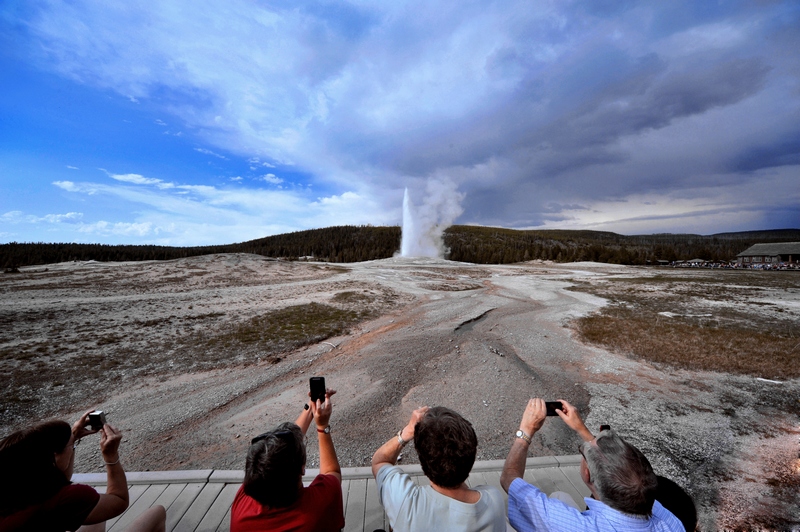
{"x":423,"y":225}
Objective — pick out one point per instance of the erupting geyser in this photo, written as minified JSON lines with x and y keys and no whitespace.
{"x":423,"y":226}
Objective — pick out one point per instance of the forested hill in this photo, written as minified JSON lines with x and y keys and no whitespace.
{"x":482,"y":245}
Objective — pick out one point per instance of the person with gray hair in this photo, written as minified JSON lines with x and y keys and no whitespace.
{"x":619,"y":476}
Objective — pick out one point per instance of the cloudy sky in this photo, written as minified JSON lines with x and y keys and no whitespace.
{"x":182,"y":123}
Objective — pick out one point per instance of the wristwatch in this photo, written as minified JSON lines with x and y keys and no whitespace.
{"x":400,"y":439}
{"x":524,"y":436}
{"x":326,"y":430}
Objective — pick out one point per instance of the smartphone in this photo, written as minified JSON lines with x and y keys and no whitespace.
{"x":97,"y":419}
{"x":317,"y":385}
{"x":552,"y":406}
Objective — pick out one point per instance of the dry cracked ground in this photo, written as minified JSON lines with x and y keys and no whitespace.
{"x":193,"y":357}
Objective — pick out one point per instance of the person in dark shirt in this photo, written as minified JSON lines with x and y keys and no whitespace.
{"x":36,"y":465}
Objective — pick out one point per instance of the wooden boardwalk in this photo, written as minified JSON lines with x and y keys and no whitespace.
{"x":201,"y":500}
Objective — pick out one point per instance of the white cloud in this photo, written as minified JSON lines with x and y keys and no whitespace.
{"x":69,"y":217}
{"x":209,"y":152}
{"x":272,"y":178}
{"x":73,"y":167}
{"x":136,"y":179}
{"x":104,"y":228}
{"x":188,"y":214}
{"x":16,"y":217}
{"x":69,"y":186}
{"x":238,"y":178}
{"x":160,"y":122}
{"x":11,"y":217}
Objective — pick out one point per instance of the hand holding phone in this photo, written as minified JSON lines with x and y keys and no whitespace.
{"x":552,"y":406}
{"x":317,"y":388}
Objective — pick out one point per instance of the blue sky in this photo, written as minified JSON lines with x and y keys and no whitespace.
{"x":206,"y":122}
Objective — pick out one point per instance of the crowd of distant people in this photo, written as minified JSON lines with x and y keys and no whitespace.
{"x":736,"y":265}
{"x":36,"y":494}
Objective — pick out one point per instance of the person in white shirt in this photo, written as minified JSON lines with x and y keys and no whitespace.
{"x":447,"y":445}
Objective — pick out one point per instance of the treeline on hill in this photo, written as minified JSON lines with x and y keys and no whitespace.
{"x":481,"y":245}
{"x":488,"y":245}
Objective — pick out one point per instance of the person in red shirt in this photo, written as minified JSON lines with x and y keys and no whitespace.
{"x":36,"y":494}
{"x":273,"y":497}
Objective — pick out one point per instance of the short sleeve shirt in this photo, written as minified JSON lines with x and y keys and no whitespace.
{"x":319,"y":509}
{"x":412,"y":508}
{"x":66,"y":510}
{"x":530,"y":509}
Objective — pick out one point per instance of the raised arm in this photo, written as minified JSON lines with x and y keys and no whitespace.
{"x":328,"y":462}
{"x":532,"y":420}
{"x":572,"y":418}
{"x":388,"y":452}
{"x":307,"y":415}
{"x":115,"y":500}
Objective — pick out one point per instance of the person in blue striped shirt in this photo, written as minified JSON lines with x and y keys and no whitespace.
{"x":619,"y":476}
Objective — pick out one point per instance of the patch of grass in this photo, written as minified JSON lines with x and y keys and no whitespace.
{"x":686,"y":345}
{"x":290,"y":327}
{"x":727,"y":321}
{"x":453,"y":287}
{"x":352,"y":297}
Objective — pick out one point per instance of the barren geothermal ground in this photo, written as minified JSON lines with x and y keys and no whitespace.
{"x":193,"y":357}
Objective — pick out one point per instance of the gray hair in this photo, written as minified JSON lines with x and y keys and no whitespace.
{"x":621,"y":474}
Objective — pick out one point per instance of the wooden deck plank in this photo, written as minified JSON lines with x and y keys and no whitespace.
{"x":356,"y":506}
{"x":143,"y":503}
{"x":134,"y":492}
{"x":169,"y":495}
{"x":197,"y":510}
{"x":374,"y":516}
{"x":216,"y":513}
{"x":182,"y":503}
{"x":225,"y":525}
{"x":345,"y":492}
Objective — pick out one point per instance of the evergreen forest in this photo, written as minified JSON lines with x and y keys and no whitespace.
{"x":476,"y":244}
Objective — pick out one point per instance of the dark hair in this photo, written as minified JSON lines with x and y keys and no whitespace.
{"x":675,"y":499}
{"x":274,"y":466}
{"x":446,"y":445}
{"x":27,"y":465}
{"x":621,"y":474}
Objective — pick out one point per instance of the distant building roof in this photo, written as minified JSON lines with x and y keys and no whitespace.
{"x":783,"y":248}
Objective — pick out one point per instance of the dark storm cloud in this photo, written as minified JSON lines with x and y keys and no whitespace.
{"x":574,"y":112}
{"x":780,"y":152}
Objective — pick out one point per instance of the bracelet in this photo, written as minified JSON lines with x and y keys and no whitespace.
{"x":111,"y":463}
{"x":400,"y":439}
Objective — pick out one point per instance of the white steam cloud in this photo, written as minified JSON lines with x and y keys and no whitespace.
{"x":423,"y":225}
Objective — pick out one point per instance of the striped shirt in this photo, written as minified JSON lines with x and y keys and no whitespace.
{"x":530,"y":509}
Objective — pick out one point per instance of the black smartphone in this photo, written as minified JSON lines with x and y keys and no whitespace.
{"x":552,"y":406}
{"x":97,"y":419}
{"x":317,"y":385}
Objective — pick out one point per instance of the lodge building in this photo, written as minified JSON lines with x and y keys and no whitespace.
{"x":763,"y":254}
